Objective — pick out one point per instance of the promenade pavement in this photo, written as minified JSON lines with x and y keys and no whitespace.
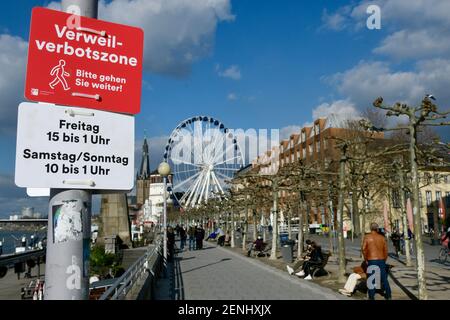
{"x":218,"y":273}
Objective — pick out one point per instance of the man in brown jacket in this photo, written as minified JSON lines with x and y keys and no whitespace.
{"x":375,"y":252}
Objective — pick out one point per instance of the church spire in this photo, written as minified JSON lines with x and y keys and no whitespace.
{"x":144,"y":169}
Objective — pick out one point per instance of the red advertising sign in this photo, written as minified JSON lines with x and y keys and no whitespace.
{"x":84,"y":62}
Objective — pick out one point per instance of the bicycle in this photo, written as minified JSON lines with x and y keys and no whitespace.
{"x":443,"y":254}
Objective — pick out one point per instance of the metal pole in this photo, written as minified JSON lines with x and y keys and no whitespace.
{"x":69,"y":221}
{"x":165,"y":221}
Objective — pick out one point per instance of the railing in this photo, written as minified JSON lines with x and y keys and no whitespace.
{"x":10,"y":259}
{"x":150,"y":262}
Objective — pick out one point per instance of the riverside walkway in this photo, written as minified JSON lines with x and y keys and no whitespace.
{"x":215,"y":273}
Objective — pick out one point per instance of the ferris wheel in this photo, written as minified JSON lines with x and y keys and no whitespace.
{"x":203,"y":155}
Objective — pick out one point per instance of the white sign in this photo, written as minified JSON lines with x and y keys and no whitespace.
{"x":38,"y":192}
{"x":74,"y":148}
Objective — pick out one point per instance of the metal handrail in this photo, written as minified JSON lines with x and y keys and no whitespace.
{"x":122,"y":286}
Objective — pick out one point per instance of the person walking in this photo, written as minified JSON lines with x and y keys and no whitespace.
{"x":395,"y":237}
{"x":183,"y":237}
{"x":375,"y":252}
{"x":191,"y":234}
{"x":199,"y":236}
{"x":170,"y":243}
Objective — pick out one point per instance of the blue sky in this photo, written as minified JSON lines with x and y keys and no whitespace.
{"x":267,"y":64}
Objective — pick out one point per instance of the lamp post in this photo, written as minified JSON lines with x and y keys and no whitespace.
{"x":164,"y":171}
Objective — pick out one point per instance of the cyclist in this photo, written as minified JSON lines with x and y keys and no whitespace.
{"x":446,"y":238}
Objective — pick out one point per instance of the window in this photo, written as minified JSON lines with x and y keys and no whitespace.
{"x":445,"y":179}
{"x":447,"y":199}
{"x":438,"y":196}
{"x":396,"y":199}
{"x":310,"y":147}
{"x":428,"y":197}
{"x":436,"y":178}
{"x":317,"y":129}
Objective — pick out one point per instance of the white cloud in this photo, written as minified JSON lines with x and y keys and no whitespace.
{"x":233,"y":72}
{"x":366,"y":81}
{"x":414,"y":44}
{"x":13,"y":61}
{"x":337,"y":111}
{"x":231,"y":96}
{"x":416,"y":29}
{"x":177,"y":33}
{"x":286,"y":132}
{"x":336,"y":21}
{"x":344,"y":109}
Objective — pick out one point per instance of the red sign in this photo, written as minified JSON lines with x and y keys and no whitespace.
{"x":84,"y":62}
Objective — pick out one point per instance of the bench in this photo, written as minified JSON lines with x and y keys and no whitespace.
{"x":319,"y":268}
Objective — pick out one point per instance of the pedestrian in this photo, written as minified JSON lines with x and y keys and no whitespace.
{"x":170,"y":243}
{"x":375,"y":252}
{"x":191,"y":234}
{"x":183,"y":237}
{"x":395,"y":237}
{"x":199,"y":236}
{"x":221,"y":237}
{"x":446,"y":238}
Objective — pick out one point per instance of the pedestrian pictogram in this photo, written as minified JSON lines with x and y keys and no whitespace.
{"x":60,"y":75}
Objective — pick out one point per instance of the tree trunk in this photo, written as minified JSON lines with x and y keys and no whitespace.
{"x":233,"y":228}
{"x":356,"y":213}
{"x":423,"y":295}
{"x":273,"y":254}
{"x":363,"y":217}
{"x":255,"y":225}
{"x":289,"y":224}
{"x":341,"y":244}
{"x":332,"y":217}
{"x":300,"y":231}
{"x":404,"y":217}
{"x":244,"y":235}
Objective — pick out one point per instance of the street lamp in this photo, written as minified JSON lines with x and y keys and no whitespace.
{"x":164,"y":171}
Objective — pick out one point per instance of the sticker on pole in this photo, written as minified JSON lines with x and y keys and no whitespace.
{"x":74,"y":148}
{"x":84,"y":62}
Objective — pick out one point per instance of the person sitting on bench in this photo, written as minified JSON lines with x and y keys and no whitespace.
{"x":359,"y":272}
{"x":305,"y":257}
{"x":258,"y":245}
{"x":315,"y":258}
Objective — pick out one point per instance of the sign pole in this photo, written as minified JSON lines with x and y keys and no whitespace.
{"x":67,"y":262}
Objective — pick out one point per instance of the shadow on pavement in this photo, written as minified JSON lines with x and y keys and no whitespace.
{"x":207,"y":265}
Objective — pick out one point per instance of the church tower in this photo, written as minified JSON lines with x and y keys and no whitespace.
{"x":143,"y":175}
